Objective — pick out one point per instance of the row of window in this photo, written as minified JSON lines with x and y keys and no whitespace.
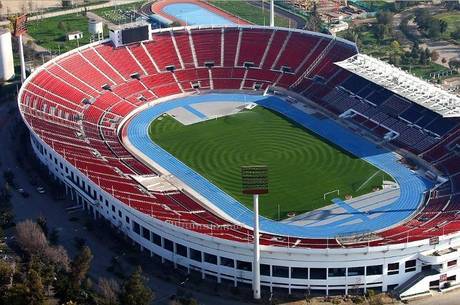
{"x":276,"y":271}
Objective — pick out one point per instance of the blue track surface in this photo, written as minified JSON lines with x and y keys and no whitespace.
{"x":412,"y":186}
{"x":193,"y":14}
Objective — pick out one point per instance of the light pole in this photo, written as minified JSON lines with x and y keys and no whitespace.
{"x":255,"y":182}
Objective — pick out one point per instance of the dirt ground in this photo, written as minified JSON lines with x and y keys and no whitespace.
{"x":22,"y":6}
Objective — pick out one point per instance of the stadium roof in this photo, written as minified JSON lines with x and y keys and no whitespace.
{"x":404,"y":84}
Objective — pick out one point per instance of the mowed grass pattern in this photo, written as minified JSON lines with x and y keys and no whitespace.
{"x":302,"y":166}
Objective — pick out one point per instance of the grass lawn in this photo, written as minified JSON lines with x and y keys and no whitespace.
{"x":453,"y":22}
{"x":424,"y":71}
{"x":249,"y":12}
{"x":49,"y":35}
{"x":302,"y":166}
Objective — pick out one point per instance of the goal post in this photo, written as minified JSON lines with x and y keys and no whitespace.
{"x":331,"y":192}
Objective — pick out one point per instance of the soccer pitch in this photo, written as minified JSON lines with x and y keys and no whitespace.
{"x":302,"y":166}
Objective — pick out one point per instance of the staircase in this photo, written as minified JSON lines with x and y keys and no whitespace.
{"x":400,"y":289}
{"x":314,"y":64}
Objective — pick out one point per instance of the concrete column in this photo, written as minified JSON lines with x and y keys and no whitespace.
{"x":256,"y":263}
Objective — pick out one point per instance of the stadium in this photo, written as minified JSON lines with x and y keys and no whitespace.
{"x":129,"y":125}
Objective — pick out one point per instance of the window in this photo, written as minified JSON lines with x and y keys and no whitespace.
{"x":265,"y":269}
{"x":452,"y":263}
{"x":280,"y":271}
{"x":354,"y":271}
{"x":156,"y":239}
{"x":318,"y":273}
{"x":113,"y":208}
{"x":127,"y":219}
{"x":136,"y":228}
{"x":107,"y":204}
{"x":411,"y":265}
{"x":243,"y":265}
{"x":393,"y":268}
{"x":119,"y":213}
{"x":210,"y":258}
{"x":227,"y":262}
{"x":181,"y":250}
{"x":168,"y":245}
{"x":374,"y":270}
{"x":195,"y":255}
{"x":145,"y":233}
{"x":335,"y":272}
{"x":299,"y":273}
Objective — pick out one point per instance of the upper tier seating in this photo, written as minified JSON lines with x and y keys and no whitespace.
{"x":67,"y":106}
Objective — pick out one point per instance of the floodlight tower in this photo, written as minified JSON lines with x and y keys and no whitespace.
{"x":20,"y":28}
{"x":272,"y":13}
{"x":255,"y":182}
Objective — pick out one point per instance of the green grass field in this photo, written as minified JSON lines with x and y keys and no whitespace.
{"x":50,"y":33}
{"x":302,"y":166}
{"x":452,"y":19}
{"x":249,"y":12}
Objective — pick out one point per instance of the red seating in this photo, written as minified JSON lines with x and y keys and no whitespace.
{"x":67,"y":107}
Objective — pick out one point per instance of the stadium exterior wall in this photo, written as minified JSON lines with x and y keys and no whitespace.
{"x":334,"y":266}
{"x":330,"y":271}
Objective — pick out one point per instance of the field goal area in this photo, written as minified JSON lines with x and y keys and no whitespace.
{"x":329,"y":194}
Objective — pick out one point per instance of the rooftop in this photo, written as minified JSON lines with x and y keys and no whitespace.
{"x":400,"y":82}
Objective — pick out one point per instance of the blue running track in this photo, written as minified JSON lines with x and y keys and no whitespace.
{"x":412,"y":186}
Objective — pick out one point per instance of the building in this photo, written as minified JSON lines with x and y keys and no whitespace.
{"x":86,"y":127}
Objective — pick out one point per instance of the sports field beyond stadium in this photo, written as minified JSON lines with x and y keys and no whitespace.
{"x":412,"y":186}
{"x":302,"y":166}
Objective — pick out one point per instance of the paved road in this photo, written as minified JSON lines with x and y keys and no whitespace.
{"x":450,"y":298}
{"x":102,"y":243}
{"x":444,"y":48}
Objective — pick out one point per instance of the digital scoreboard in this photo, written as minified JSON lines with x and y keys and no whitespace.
{"x":132,"y":35}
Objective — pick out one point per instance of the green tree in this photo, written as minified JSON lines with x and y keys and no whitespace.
{"x":443,"y":25}
{"x":385,"y":18}
{"x":80,"y":266}
{"x":16,"y":295}
{"x":6,"y":275}
{"x":434,"y":29}
{"x":135,"y":291}
{"x":36,"y":291}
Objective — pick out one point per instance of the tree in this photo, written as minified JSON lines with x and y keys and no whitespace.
{"x":434,"y":29}
{"x":80,"y":266}
{"x":30,"y":237}
{"x":41,"y":221}
{"x":443,"y":25}
{"x":434,"y":55}
{"x":58,"y":257}
{"x":108,"y":290}
{"x":456,"y":33}
{"x":6,"y":275}
{"x":395,"y":47}
{"x":135,"y":292}
{"x":385,"y":18}
{"x":36,"y":295}
{"x":62,"y":26}
{"x":16,"y":295}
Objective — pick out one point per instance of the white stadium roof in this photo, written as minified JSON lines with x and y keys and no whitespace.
{"x":404,"y":84}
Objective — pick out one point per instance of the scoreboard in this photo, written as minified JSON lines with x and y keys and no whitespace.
{"x":132,"y":33}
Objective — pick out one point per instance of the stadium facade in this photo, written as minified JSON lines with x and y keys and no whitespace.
{"x":80,"y":108}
